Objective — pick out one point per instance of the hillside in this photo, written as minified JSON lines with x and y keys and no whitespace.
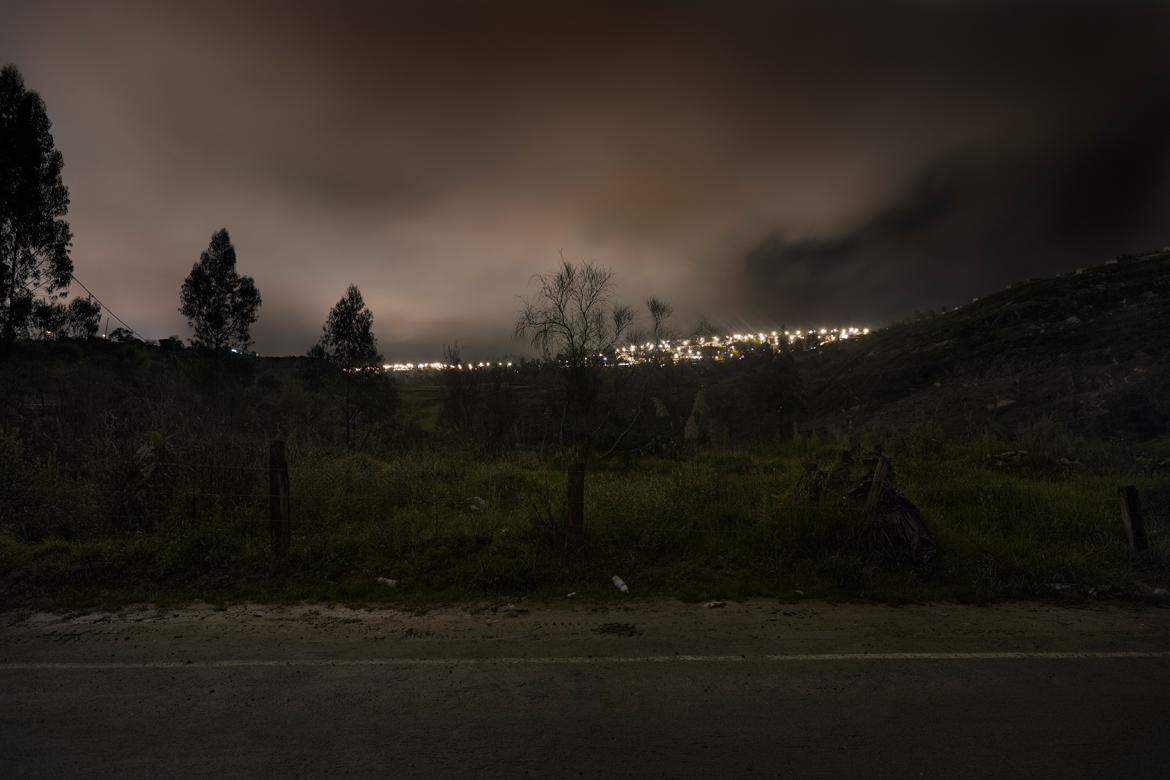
{"x":1089,"y":349}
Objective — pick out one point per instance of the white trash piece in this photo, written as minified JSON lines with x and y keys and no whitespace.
{"x":388,"y":582}
{"x":619,"y":584}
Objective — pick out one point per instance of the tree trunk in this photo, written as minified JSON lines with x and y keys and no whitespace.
{"x":278,"y":490}
{"x":10,"y":320}
{"x":348,"y":415}
{"x":575,"y":482}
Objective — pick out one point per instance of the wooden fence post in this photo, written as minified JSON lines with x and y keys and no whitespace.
{"x":278,"y":499}
{"x":1131,"y":517}
{"x":880,"y":472}
{"x":576,"y":491}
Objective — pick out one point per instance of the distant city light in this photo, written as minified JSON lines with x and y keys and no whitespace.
{"x":716,"y":348}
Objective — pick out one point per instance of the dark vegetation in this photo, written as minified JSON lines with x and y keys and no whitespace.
{"x":1088,"y":350}
{"x":133,"y":471}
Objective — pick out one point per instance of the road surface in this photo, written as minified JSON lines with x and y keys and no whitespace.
{"x":760,"y":689}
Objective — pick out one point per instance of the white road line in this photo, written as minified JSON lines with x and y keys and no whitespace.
{"x":18,"y":666}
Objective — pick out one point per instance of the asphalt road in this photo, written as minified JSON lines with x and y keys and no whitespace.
{"x":658,"y":690}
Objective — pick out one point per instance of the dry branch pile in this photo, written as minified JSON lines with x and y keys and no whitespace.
{"x":865,"y":480}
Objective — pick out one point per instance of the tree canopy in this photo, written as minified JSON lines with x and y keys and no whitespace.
{"x":79,"y":319}
{"x":34,"y":236}
{"x":347,"y":338}
{"x":219,"y":303}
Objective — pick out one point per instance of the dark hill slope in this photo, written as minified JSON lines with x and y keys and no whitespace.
{"x":1089,"y":349}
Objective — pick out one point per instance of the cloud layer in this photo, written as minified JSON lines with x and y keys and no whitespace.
{"x":757,"y":163}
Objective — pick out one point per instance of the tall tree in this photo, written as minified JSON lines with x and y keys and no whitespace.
{"x":347,"y":339}
{"x":348,"y":342}
{"x":34,"y":237}
{"x":219,"y":304}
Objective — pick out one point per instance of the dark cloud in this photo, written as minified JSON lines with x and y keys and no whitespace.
{"x":901,"y":223}
{"x":756,"y":162}
{"x":976,"y":219}
{"x":1116,"y":184}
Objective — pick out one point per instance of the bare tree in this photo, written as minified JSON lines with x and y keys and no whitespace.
{"x":704,"y":329}
{"x":572,"y":317}
{"x":574,"y":320}
{"x":460,"y":390}
{"x":660,"y":313}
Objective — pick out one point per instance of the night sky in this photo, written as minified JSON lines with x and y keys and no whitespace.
{"x":759,"y":164}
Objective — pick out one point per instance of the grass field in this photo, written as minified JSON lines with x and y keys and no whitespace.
{"x":716,"y":525}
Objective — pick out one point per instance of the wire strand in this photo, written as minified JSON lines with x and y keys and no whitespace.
{"x":107,"y":308}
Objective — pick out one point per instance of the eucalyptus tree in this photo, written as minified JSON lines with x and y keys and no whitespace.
{"x":34,"y":236}
{"x":220,"y":305}
{"x":348,"y":342}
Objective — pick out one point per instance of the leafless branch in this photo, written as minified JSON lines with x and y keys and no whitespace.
{"x":571,"y":318}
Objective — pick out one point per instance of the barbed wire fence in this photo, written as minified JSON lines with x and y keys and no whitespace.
{"x":219,"y":487}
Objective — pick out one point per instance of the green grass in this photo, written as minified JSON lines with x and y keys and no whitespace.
{"x":716,"y":525}
{"x":421,"y":404}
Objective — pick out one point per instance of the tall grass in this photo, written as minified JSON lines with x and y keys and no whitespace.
{"x":718,"y":524}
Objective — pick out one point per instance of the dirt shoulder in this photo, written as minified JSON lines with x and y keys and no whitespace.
{"x":489,"y":630}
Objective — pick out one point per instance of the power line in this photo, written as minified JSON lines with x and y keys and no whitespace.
{"x":107,"y":308}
